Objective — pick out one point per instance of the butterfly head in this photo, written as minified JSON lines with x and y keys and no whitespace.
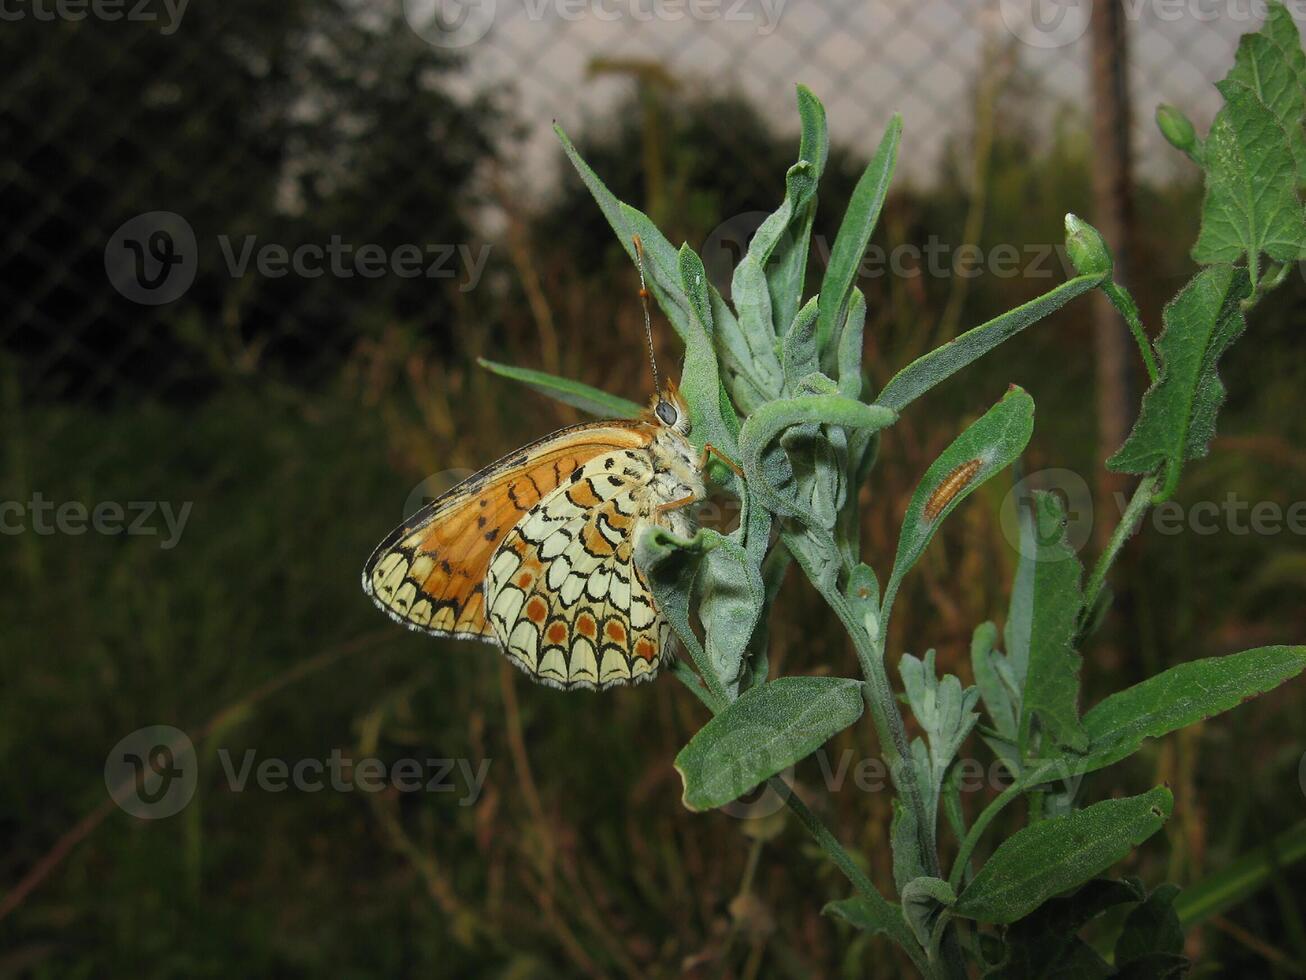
{"x":669,"y":409}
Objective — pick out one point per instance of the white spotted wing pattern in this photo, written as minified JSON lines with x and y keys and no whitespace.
{"x":537,"y":552}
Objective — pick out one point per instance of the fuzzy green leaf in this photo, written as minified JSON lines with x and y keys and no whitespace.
{"x":1251,"y":204}
{"x":798,"y":355}
{"x":1055,"y":855}
{"x":765,"y":425}
{"x":927,"y":371}
{"x":1045,"y":943}
{"x":1271,"y":67}
{"x":768,"y":729}
{"x":662,"y":270}
{"x":730,"y":591}
{"x":1177,"y":420}
{"x":849,"y":361}
{"x":854,"y":235}
{"x":1050,"y":688}
{"x":1181,"y":696}
{"x":946,"y":713}
{"x":1153,"y":927}
{"x":714,"y":416}
{"x":998,"y":688}
{"x":574,"y":393}
{"x":924,"y":901}
{"x":786,"y":267}
{"x":987,"y":446}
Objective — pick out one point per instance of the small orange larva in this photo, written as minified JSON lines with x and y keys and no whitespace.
{"x":950,"y":486}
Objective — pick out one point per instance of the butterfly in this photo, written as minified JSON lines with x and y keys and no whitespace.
{"x":536,"y":552}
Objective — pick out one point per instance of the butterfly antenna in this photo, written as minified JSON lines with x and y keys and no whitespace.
{"x":648,"y":320}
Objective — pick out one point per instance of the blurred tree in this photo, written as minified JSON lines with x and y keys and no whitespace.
{"x":287,"y":122}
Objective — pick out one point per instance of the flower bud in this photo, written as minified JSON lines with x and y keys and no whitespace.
{"x":1087,"y":250}
{"x":1178,"y":129}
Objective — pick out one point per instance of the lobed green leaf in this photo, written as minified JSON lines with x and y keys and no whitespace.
{"x":1271,"y":67}
{"x":1177,"y":420}
{"x":1050,"y":683}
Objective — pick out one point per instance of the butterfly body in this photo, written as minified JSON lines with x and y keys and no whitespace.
{"x":536,"y":551}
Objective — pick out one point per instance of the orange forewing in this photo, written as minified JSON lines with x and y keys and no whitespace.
{"x":446,"y":547}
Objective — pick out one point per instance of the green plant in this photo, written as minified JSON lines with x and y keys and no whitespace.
{"x":778,"y":384}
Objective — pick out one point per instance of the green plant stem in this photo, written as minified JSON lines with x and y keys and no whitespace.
{"x":1030,"y":778}
{"x":1124,"y":302}
{"x":1129,"y":522}
{"x":892,"y":734}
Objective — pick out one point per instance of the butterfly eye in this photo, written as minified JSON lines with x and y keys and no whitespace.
{"x":666,"y":412}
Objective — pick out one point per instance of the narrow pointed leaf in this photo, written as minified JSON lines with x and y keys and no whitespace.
{"x":577,"y":394}
{"x":855,"y":233}
{"x":987,"y":446}
{"x":927,"y":371}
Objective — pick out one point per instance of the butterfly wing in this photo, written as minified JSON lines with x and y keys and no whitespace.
{"x":429,"y":573}
{"x":565,"y":598}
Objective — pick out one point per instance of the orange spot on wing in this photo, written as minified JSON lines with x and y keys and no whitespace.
{"x":586,"y":626}
{"x":645,"y":650}
{"x":583,"y":495}
{"x":557,"y":634}
{"x":525,"y":580}
{"x":594,"y":542}
{"x":536,"y":610}
{"x":616,"y":632}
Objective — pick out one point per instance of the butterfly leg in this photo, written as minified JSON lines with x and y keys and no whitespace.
{"x":711,"y":450}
